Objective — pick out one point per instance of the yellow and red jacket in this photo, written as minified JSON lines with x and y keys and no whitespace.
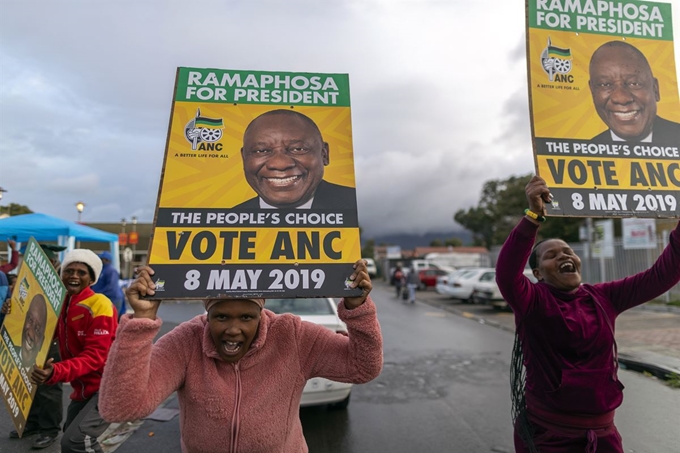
{"x":87,"y":327}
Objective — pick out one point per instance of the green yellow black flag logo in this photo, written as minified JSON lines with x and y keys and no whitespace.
{"x":555,"y":60}
{"x":203,"y":129}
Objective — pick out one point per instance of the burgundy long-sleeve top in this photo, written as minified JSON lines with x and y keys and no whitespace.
{"x":567,"y":341}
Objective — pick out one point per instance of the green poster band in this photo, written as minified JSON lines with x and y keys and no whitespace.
{"x":224,"y":86}
{"x":623,"y":18}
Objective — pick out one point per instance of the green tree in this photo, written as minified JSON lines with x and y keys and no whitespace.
{"x":501,"y":206}
{"x":436,"y":243}
{"x":15,"y":209}
{"x":368,"y":250}
{"x":453,"y":242}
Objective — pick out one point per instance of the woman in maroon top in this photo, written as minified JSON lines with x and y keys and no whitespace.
{"x":565,"y":336}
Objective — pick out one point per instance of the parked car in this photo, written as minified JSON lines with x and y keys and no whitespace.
{"x":486,"y":290}
{"x":444,"y":279}
{"x":420,"y":265}
{"x":371,"y":268}
{"x":460,"y":285}
{"x":428,"y":277}
{"x":322,"y":311}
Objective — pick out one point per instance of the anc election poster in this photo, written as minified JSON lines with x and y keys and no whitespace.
{"x":604,"y":106}
{"x":28,"y":329}
{"x":257,"y":195}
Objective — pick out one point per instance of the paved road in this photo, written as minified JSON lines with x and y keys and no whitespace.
{"x":444,"y":389}
{"x":648,"y":336}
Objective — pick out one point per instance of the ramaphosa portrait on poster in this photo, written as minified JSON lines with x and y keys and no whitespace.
{"x":284,"y":156}
{"x":625,"y":93}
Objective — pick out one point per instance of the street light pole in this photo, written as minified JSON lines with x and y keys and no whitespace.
{"x":124,"y":270}
{"x":1,"y":192}
{"x":134,"y":246}
{"x":80,"y":206}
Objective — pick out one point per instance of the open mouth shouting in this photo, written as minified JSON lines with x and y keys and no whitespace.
{"x":567,"y":268}
{"x":231,"y":348}
{"x":73,"y":285}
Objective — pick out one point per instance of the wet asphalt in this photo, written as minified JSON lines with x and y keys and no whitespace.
{"x":444,"y":388}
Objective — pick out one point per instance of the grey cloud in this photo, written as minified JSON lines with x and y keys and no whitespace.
{"x":433,"y":117}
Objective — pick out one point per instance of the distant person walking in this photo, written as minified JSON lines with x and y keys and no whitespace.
{"x":412,"y":282}
{"x":398,"y":279}
{"x":565,"y":336}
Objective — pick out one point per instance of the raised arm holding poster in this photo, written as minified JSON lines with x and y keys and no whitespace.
{"x":257,"y":196}
{"x":28,"y":329}
{"x":605,"y":110}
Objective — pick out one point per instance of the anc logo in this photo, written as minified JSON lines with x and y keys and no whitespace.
{"x":24,"y":288}
{"x":160,"y":285}
{"x":202,"y":132}
{"x":556,"y":62}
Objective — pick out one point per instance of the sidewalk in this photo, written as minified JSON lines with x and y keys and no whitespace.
{"x":648,"y":337}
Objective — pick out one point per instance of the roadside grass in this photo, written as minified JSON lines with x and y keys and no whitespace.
{"x":674,"y":302}
{"x":673,"y":380}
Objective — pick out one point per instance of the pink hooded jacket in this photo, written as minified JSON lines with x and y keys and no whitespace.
{"x":251,"y":406}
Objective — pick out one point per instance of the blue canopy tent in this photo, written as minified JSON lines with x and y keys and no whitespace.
{"x":47,"y":228}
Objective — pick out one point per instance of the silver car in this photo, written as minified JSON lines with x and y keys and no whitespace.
{"x":322,"y":311}
{"x":486,"y":291}
{"x":461,"y":284}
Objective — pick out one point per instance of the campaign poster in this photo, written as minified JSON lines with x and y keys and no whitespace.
{"x":257,"y":196}
{"x":604,"y":104}
{"x":28,"y":329}
{"x":639,"y":234}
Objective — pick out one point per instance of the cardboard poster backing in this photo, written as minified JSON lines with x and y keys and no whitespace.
{"x":212,"y":237}
{"x":28,"y":329}
{"x":577,"y":110}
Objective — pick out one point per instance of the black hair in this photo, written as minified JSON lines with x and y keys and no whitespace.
{"x":91,"y":271}
{"x":533,"y":258}
{"x":518,"y":374}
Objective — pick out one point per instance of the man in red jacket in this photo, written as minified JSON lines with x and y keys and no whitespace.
{"x":86,"y":329}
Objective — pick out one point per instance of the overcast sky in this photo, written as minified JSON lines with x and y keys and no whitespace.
{"x":438,"y":92}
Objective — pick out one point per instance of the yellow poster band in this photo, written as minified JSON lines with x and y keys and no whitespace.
{"x":251,"y":246}
{"x":609,"y":173}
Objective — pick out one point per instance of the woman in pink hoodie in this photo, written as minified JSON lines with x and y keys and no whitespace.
{"x":238,"y":371}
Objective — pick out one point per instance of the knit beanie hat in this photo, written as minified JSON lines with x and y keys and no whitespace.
{"x":87,"y":257}
{"x":210,"y":302}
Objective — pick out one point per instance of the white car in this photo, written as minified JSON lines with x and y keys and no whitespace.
{"x":322,"y":311}
{"x":486,"y":291}
{"x":460,"y":285}
{"x":371,"y":267}
{"x":444,"y":279}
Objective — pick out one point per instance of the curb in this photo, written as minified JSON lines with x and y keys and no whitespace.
{"x":663,"y":371}
{"x":628,"y":361}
